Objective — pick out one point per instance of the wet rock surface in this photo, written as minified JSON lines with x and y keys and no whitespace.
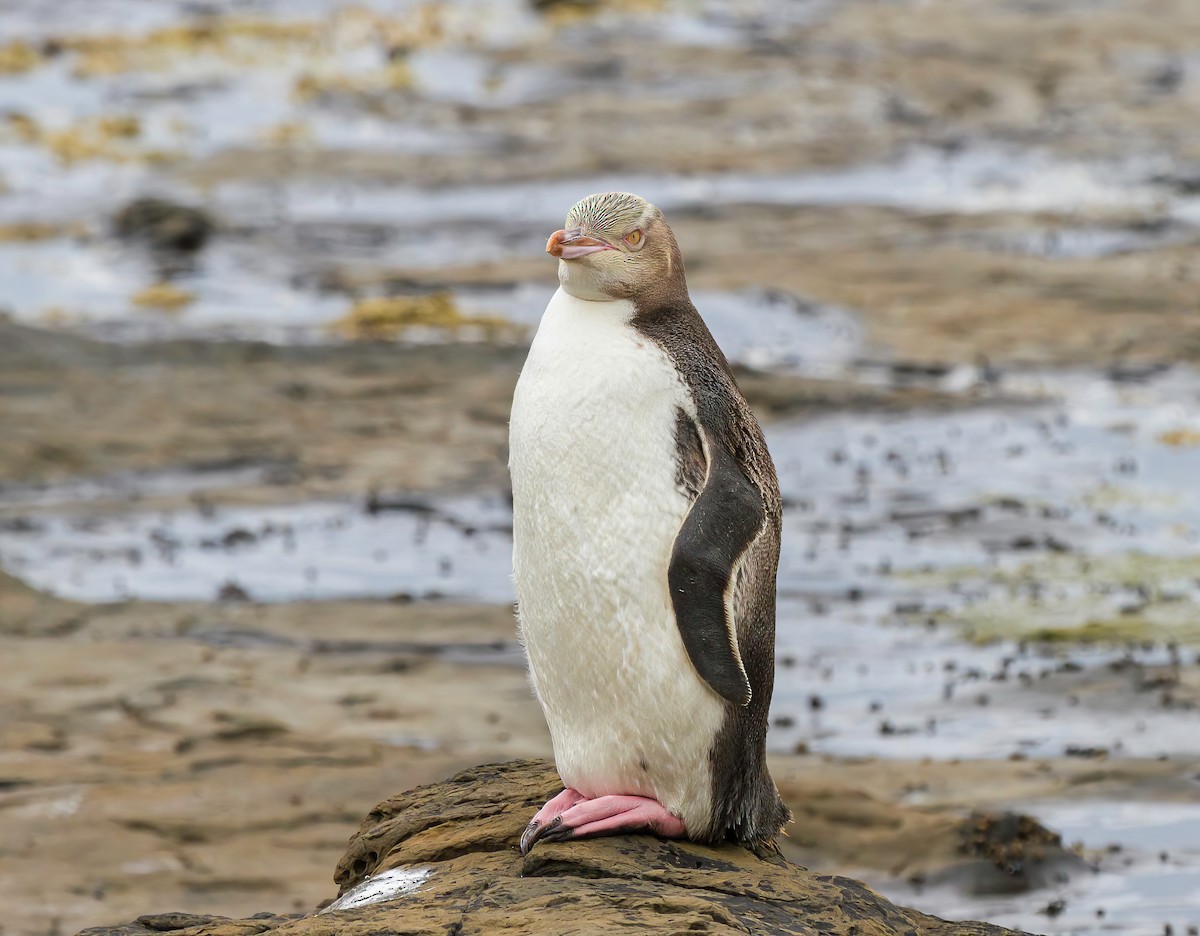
{"x":1025,"y":852}
{"x":164,"y":225}
{"x":456,"y":841}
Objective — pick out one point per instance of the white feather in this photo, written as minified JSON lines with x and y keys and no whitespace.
{"x":596,"y":509}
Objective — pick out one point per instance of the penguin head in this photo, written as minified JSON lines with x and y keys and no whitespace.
{"x":616,"y":246}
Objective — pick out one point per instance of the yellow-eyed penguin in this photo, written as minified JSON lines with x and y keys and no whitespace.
{"x":646,"y":525}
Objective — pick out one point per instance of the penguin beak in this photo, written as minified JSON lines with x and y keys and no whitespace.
{"x":571,"y":245}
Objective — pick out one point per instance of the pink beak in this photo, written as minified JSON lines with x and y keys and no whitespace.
{"x":573,"y":245}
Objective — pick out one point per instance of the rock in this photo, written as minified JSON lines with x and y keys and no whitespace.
{"x":1010,"y":853}
{"x":164,"y":225}
{"x":232,"y":591}
{"x":984,"y":853}
{"x":546,"y":6}
{"x":443,"y":859}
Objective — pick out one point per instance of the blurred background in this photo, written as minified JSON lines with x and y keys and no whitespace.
{"x":268,"y":271}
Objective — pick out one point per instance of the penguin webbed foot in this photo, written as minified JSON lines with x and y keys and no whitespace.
{"x":604,"y":815}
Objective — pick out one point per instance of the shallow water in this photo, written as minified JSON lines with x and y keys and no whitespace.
{"x":880,"y":498}
{"x":387,"y":885}
{"x":1147,"y":876}
{"x":454,"y":549}
{"x":975,"y":179}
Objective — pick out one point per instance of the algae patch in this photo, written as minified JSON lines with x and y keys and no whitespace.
{"x":17,"y":57}
{"x":114,"y":137}
{"x":241,"y":41}
{"x":314,"y":86}
{"x":28,"y":232}
{"x":388,"y":317}
{"x":1180,"y":438}
{"x":1117,"y":599}
{"x":165,"y":297}
{"x":288,"y":134}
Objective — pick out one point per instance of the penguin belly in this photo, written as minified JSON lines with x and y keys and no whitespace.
{"x":596,"y":509}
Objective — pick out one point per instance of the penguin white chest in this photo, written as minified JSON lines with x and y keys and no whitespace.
{"x":596,"y":509}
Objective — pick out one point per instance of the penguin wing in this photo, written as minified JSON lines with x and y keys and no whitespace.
{"x":726,"y":518}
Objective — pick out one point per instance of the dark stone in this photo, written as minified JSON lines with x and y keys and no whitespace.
{"x":164,"y":225}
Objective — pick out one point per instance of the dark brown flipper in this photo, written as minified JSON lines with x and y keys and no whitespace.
{"x":724,"y":520}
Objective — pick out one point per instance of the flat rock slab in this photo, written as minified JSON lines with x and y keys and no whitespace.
{"x":442,"y":859}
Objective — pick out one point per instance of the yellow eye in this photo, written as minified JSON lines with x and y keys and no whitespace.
{"x":633,"y":239}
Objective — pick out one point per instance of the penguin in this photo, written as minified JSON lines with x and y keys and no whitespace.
{"x":646,"y":531}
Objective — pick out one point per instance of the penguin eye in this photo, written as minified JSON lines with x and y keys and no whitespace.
{"x":634,"y":238}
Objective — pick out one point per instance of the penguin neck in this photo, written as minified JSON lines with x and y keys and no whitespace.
{"x":584,"y":283}
{"x":617,"y":313}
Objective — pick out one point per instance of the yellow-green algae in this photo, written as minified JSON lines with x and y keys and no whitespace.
{"x":1180,"y":438}
{"x":237,"y":40}
{"x":166,"y":297}
{"x":1125,"y":598}
{"x":27,"y":232}
{"x":250,"y":41}
{"x":113,"y":137}
{"x":388,"y":317}
{"x":17,"y":57}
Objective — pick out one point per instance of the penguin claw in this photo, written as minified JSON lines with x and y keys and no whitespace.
{"x":559,"y":834}
{"x":542,"y":823}
{"x":528,"y":837}
{"x":535,"y":832}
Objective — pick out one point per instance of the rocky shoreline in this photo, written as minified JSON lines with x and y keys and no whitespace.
{"x":441,"y":859}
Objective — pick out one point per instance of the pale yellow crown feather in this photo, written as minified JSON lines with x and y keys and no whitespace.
{"x":610,"y":213}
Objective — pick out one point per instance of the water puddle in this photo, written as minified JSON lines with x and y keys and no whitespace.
{"x":970,"y":180}
{"x":205,"y":80}
{"x":410,"y":549}
{"x":387,"y":885}
{"x":235,"y":292}
{"x":194,"y":479}
{"x":1087,"y":243}
{"x":1146,"y":880}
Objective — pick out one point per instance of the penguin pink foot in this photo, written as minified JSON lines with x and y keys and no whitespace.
{"x":604,"y":815}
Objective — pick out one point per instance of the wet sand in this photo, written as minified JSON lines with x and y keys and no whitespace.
{"x":313,"y":421}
